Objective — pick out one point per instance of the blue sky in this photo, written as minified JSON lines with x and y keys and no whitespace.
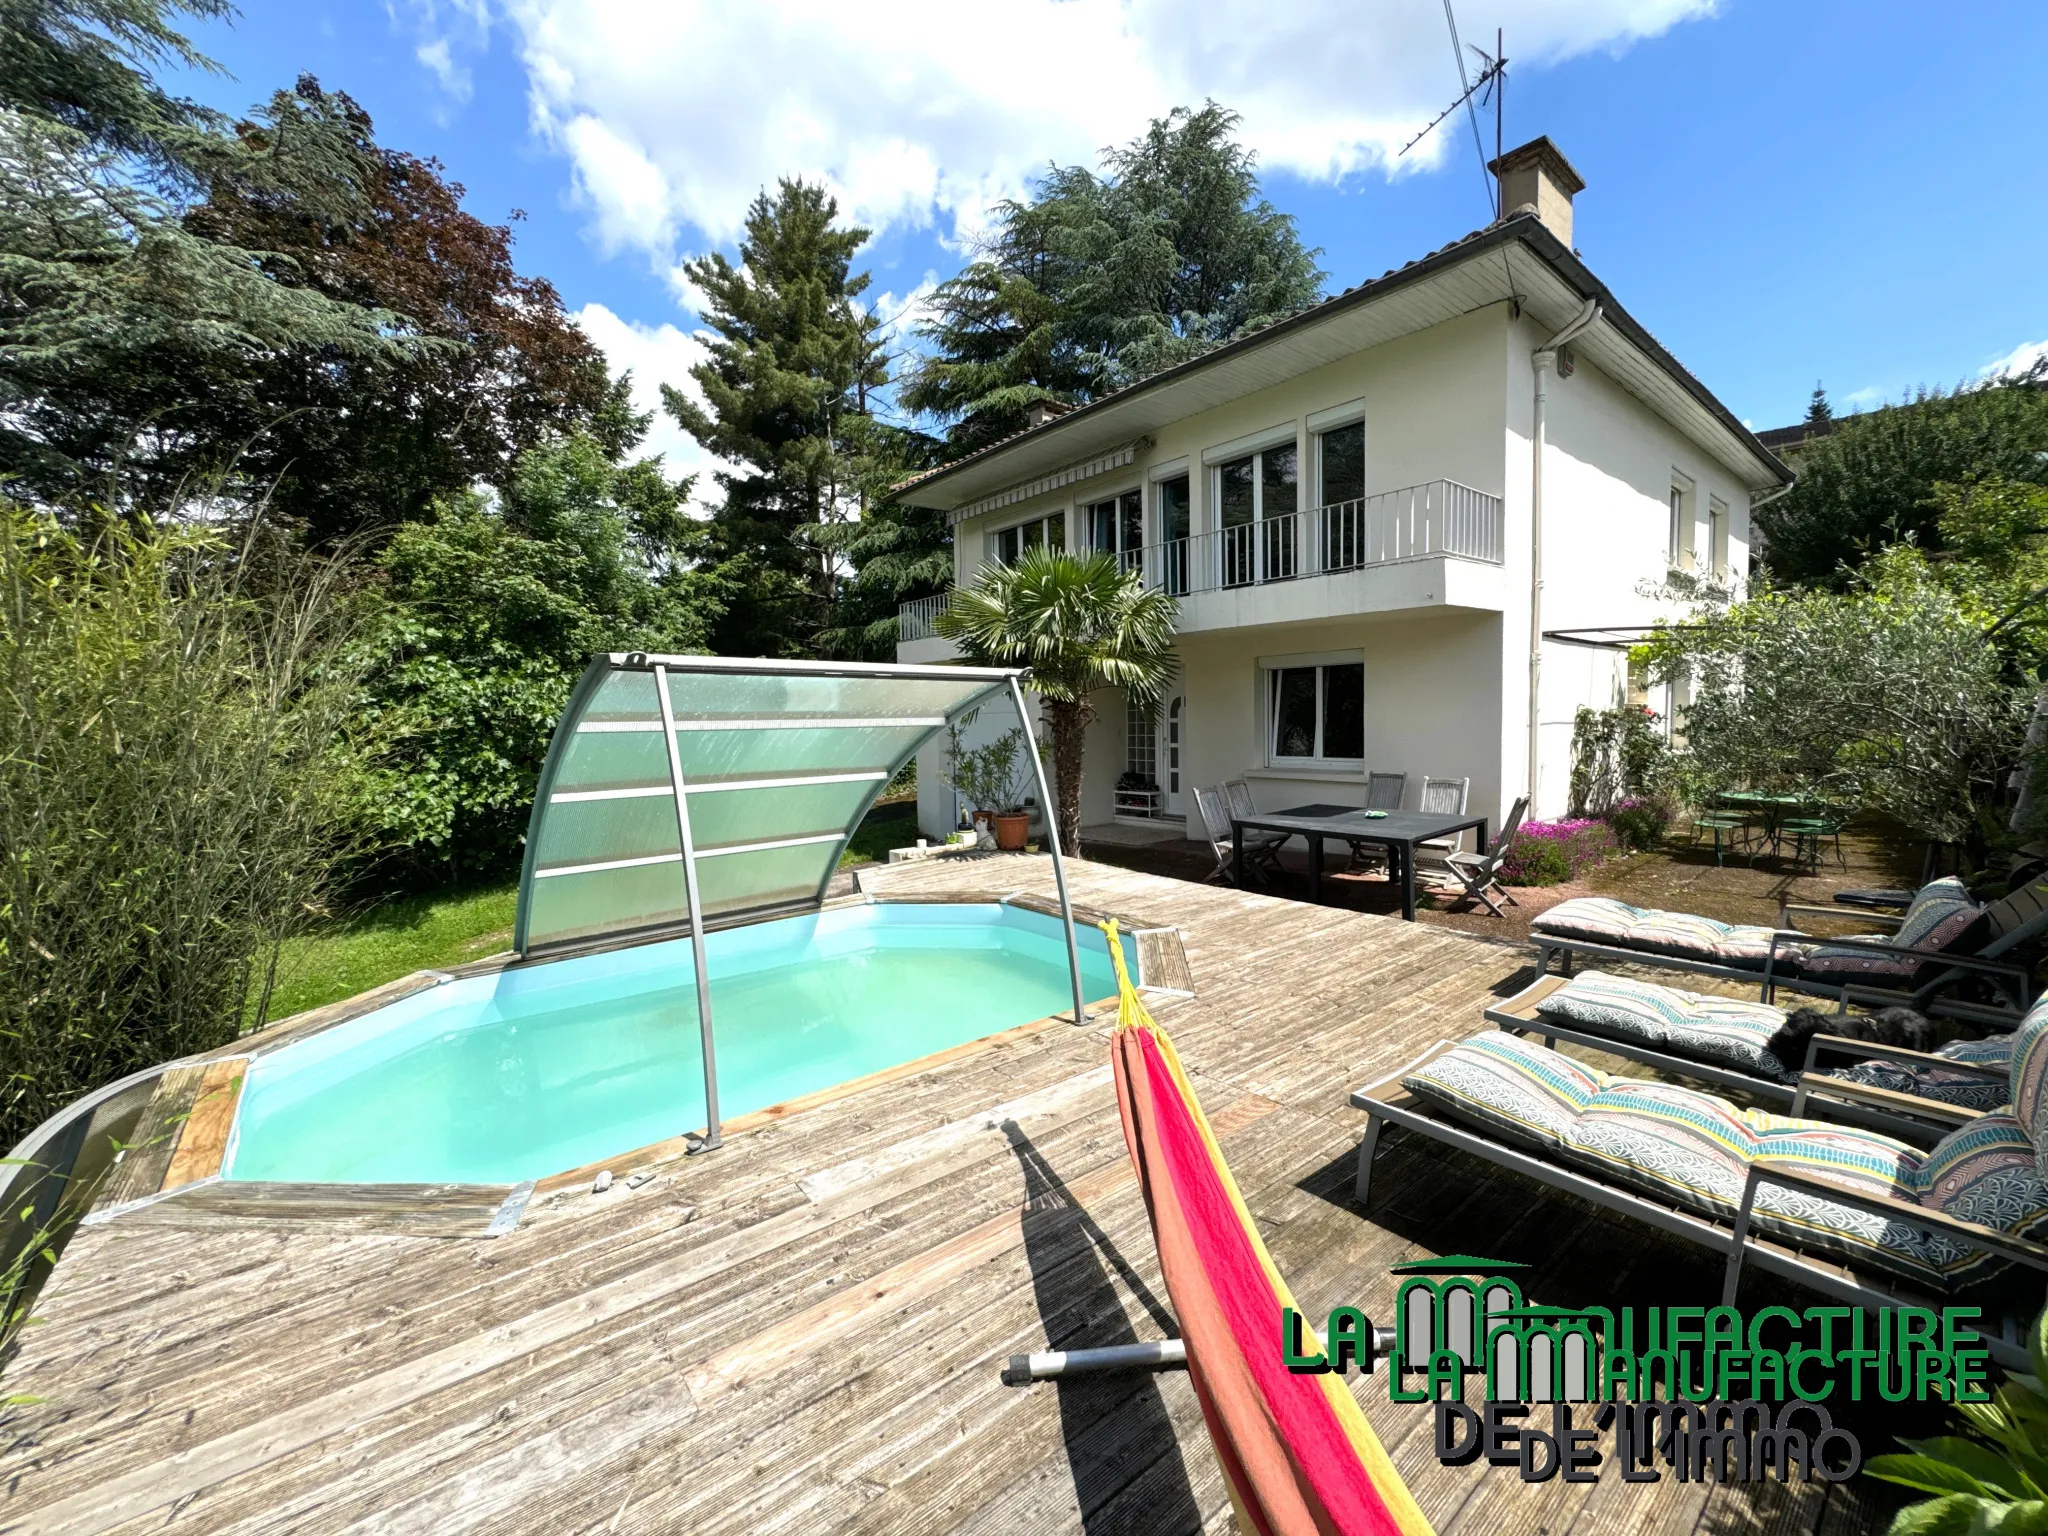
{"x":1780,"y":191}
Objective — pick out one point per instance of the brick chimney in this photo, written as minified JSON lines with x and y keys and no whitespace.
{"x":1537,"y":176}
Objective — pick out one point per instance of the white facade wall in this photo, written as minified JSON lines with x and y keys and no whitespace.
{"x":1444,"y":641}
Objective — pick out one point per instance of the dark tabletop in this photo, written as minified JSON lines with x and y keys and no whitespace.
{"x":1348,"y":821}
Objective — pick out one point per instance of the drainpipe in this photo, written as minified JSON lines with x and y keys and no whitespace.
{"x":1542,"y":360}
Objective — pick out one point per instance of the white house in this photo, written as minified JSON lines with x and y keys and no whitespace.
{"x":1393,"y":523}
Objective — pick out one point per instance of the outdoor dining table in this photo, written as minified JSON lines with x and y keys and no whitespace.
{"x":1397,"y":831}
{"x":1773,"y":809}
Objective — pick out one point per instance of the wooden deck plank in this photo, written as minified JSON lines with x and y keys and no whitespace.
{"x":139,"y":1171}
{"x":208,"y":1124}
{"x":804,"y":1331}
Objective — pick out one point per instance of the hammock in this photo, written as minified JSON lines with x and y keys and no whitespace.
{"x":1299,"y":1456}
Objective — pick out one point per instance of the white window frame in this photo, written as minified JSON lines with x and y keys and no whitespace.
{"x":1085,"y":512}
{"x":1270,"y":668}
{"x":1682,"y":540}
{"x":1319,"y":424}
{"x":995,"y":535}
{"x":1717,"y":537}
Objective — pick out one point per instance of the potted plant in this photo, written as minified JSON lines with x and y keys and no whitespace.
{"x":994,"y":778}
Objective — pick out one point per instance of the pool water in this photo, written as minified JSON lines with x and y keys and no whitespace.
{"x":494,"y":1079}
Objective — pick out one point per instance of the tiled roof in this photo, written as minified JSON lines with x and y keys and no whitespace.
{"x":1522,"y":226}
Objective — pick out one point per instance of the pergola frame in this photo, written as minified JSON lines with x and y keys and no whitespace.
{"x":976,"y":684}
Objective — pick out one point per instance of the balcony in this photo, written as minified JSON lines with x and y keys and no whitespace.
{"x":917,"y":621}
{"x":1418,"y":522}
{"x":1435,"y":545}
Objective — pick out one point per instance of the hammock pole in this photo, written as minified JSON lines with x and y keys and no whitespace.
{"x":1052,"y":828}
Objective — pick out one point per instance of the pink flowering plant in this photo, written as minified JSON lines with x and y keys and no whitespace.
{"x":1551,"y":852}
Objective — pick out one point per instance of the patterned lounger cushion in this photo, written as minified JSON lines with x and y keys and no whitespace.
{"x":1694,"y":1150}
{"x":1603,"y":920}
{"x":2029,"y":1083}
{"x":1722,"y":1030}
{"x":1516,"y":1088}
{"x":1963,"y":1089}
{"x":1943,"y":918}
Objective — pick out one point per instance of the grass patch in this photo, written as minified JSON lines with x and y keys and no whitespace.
{"x":890,"y":825}
{"x":440,"y":929}
{"x":382,"y":943}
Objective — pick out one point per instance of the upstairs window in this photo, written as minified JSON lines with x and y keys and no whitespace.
{"x":1117,"y":527}
{"x":1170,"y":497}
{"x":1681,"y":541}
{"x":1006,"y":545}
{"x":1316,"y":714}
{"x":1340,"y":464}
{"x":1717,"y":537}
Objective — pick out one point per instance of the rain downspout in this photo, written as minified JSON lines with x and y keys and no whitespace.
{"x":1542,"y":360}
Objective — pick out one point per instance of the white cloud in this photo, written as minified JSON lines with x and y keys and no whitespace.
{"x":920,"y":113}
{"x":656,"y":355}
{"x":443,"y":26}
{"x":2018,"y":360}
{"x":439,"y":57}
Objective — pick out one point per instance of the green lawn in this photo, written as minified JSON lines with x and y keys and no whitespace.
{"x":446,"y":928}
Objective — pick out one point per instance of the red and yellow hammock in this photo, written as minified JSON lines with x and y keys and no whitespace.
{"x":1300,"y":1458}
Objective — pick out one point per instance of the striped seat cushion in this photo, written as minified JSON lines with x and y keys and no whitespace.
{"x":1525,"y":1093}
{"x":1722,"y":1030}
{"x":1927,"y":1081}
{"x":1694,"y":1150}
{"x":1603,"y":920}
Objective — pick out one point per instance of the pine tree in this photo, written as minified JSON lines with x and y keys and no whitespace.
{"x":1818,"y":412}
{"x":794,"y":362}
{"x":1100,"y":280}
{"x":107,"y":299}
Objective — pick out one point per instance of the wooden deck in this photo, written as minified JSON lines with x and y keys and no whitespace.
{"x":803,"y":1332}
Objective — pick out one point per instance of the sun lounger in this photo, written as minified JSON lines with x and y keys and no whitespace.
{"x":1726,"y":1041}
{"x":1942,"y":941}
{"x":1793,"y":1197}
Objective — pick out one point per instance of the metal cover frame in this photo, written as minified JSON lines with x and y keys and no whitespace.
{"x":671,"y":726}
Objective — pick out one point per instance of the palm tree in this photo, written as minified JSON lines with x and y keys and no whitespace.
{"x":1079,"y":624}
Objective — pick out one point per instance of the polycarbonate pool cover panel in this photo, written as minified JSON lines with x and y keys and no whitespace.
{"x":780,"y":760}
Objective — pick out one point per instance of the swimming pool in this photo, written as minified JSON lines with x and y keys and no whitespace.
{"x":543,"y":1068}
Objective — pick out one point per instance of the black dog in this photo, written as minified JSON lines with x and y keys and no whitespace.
{"x":1888,"y":1026}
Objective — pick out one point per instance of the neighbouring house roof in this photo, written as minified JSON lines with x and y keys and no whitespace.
{"x":1778,"y":439}
{"x":1515,"y":259}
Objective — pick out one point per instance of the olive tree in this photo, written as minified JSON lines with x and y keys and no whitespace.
{"x":1888,"y":696}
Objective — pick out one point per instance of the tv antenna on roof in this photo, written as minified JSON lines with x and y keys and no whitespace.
{"x":1490,"y":88}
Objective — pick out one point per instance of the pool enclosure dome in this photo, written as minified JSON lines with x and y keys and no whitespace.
{"x":682,"y":793}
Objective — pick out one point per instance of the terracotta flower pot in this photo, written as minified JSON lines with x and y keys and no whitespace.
{"x":1012,"y":829}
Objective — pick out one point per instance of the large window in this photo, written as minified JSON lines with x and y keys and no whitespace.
{"x":1340,"y":464}
{"x":1255,"y":506}
{"x":1317,"y":713}
{"x":1007,"y":544}
{"x":1171,"y":499}
{"x":1117,"y":527}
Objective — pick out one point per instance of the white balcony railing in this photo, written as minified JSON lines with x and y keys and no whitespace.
{"x":1439,"y":517}
{"x":914,"y":620}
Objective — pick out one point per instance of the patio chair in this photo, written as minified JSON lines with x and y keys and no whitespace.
{"x":1479,"y":873}
{"x":1261,"y":849}
{"x":1734,"y":823}
{"x":1728,"y":1042}
{"x":1383,"y":792}
{"x":1793,"y":1197}
{"x":1442,"y":797}
{"x":1943,"y":942}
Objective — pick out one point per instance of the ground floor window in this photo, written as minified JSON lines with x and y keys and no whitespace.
{"x":1317,"y":713}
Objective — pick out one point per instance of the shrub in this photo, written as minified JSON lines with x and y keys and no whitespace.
{"x":1551,"y":852}
{"x":1617,"y":754}
{"x":1640,"y":822}
{"x":183,"y":767}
